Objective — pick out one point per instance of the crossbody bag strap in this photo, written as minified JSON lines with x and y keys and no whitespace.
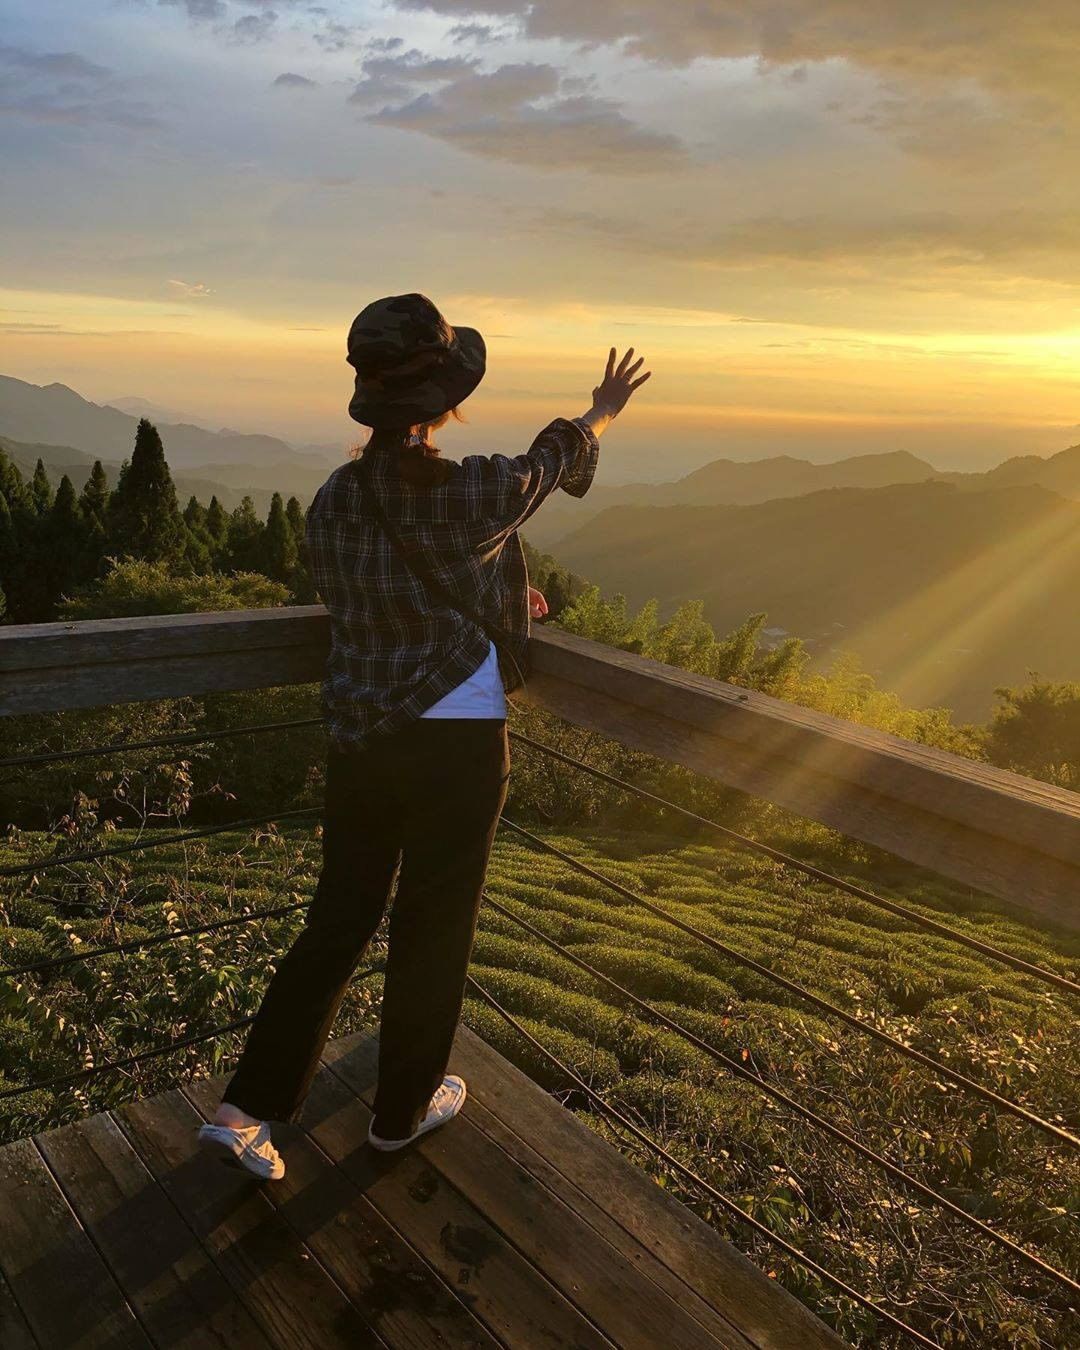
{"x":419,"y":568}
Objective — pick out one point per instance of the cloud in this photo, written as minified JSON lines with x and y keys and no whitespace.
{"x":65,"y":89}
{"x":524,"y":113}
{"x":190,"y":290}
{"x":288,"y":79}
{"x":198,"y":9}
{"x":254,"y":27}
{"x":472,"y":32}
{"x":1023,"y":54}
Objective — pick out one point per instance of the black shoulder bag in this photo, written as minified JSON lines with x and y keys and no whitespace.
{"x":498,"y":636}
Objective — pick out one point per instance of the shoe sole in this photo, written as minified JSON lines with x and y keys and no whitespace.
{"x":217,"y":1148}
{"x":392,"y":1145}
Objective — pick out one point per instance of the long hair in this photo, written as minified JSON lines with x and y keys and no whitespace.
{"x":418,"y":458}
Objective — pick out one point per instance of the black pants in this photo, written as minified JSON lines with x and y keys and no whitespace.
{"x":423,"y":805}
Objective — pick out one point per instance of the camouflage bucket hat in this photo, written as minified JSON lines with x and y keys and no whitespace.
{"x":411,"y":366}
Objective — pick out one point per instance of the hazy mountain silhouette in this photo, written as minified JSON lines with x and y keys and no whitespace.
{"x":732,"y":482}
{"x":944,"y":592}
{"x":53,"y":414}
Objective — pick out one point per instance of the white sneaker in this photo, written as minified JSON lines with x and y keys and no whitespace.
{"x":446,"y":1103}
{"x":248,"y":1149}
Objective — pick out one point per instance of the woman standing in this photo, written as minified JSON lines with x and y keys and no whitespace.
{"x":419,"y":564}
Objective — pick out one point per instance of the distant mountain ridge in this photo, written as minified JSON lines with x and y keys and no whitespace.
{"x":944,"y":592}
{"x":725,"y":482}
{"x":53,"y":414}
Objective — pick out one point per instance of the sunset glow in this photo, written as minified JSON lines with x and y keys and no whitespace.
{"x":848,"y":235}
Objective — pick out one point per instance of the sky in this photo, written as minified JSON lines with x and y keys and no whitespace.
{"x":832,"y":226}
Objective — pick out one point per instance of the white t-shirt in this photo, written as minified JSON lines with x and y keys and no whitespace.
{"x":481,"y":695}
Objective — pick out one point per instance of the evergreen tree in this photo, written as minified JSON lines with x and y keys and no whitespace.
{"x":94,"y":499}
{"x":294,"y":513}
{"x":64,"y":544}
{"x":244,"y":548}
{"x":144,"y":519}
{"x":41,"y":490}
{"x":217,"y":528}
{"x":280,"y":557}
{"x":195,"y":514}
{"x":9,"y":546}
{"x":555,"y":594}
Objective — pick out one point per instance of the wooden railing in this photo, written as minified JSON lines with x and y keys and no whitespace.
{"x":1013,"y":837}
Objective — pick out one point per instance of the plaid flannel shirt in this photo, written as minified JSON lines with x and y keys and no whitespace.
{"x":395,"y":650}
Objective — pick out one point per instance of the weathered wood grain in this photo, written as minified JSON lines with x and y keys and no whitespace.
{"x":180,"y":1295}
{"x":292,"y":1298}
{"x":66,"y":1292}
{"x":599,"y":1277}
{"x":651,"y":1217}
{"x":402,"y":1297}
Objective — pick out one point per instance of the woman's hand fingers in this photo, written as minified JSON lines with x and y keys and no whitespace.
{"x":638,"y":383}
{"x":610,"y":365}
{"x":621,"y":371}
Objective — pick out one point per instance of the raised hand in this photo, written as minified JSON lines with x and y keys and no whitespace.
{"x":613,"y":392}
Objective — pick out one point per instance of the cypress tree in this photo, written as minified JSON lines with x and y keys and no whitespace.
{"x":41,"y":490}
{"x":144,"y":518}
{"x":195,"y":514}
{"x":279,"y":544}
{"x":217,"y":529}
{"x":244,"y":551}
{"x":294,"y":514}
{"x":64,"y":539}
{"x":95,"y":494}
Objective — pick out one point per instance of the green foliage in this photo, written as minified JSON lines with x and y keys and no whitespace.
{"x":688,"y":640}
{"x":136,"y":587}
{"x":144,"y":519}
{"x":1035,"y":730}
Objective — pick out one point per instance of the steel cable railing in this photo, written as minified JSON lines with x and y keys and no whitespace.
{"x":141,"y":845}
{"x":181,"y":738}
{"x":812,"y":1117}
{"x":729,"y":1207}
{"x":128,"y":1061}
{"x":788,"y":860}
{"x":153,"y":940}
{"x":866,"y":1028}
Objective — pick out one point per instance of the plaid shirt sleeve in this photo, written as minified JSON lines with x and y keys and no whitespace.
{"x":506,"y":490}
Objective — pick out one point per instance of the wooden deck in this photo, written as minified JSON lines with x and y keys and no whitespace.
{"x":515,"y":1226}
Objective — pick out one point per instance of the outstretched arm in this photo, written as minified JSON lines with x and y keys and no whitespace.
{"x":563,"y":455}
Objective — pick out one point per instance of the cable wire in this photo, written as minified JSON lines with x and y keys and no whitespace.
{"x":139,"y":944}
{"x":65,"y":1080}
{"x":728,"y":1206}
{"x":812,"y":1117}
{"x":850,"y":887}
{"x":866,"y":1028}
{"x":158,"y":742}
{"x":140,"y":846}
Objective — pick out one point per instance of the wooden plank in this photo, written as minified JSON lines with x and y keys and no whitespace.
{"x":514,"y":1300}
{"x":402,"y":1297}
{"x":295,"y":1302}
{"x":66,"y":1292}
{"x":181,"y":1297}
{"x":717,"y":1328}
{"x":44,"y":667}
{"x":15,"y":1334}
{"x":598,"y":1278}
{"x":770,"y":1316}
